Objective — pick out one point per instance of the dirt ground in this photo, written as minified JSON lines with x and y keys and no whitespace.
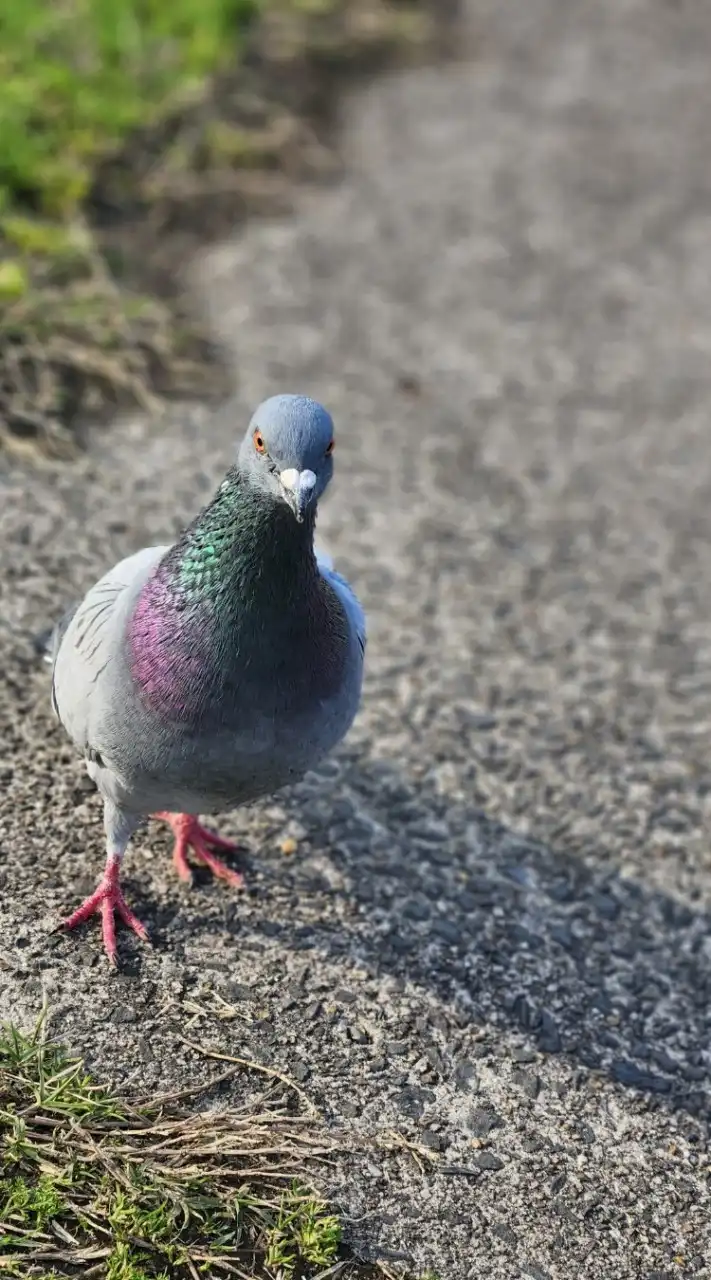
{"x":492,"y":938}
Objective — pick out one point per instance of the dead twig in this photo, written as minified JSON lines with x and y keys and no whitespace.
{"x":253,"y":1066}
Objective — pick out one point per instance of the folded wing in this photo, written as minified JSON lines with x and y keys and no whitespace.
{"x":347,"y":596}
{"x":86,"y":641}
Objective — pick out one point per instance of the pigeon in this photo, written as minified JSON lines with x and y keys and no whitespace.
{"x":200,"y":676}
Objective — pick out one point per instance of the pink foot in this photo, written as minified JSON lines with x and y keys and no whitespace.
{"x":105,"y":901}
{"x":190,"y":834}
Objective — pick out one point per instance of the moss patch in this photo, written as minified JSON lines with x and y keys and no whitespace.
{"x":95,"y":1184}
{"x":132,"y":131}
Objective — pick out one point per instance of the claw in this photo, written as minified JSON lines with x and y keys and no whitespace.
{"x":189,"y":834}
{"x":107,"y":901}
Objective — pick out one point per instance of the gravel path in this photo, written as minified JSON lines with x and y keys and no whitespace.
{"x":492,"y":938}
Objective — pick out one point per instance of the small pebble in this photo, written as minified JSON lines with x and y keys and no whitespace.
{"x":465,"y":1076}
{"x":239,"y":991}
{"x":523,"y":1055}
{"x":433,"y":1141}
{"x":460,"y":1171}
{"x":527,"y":1081}
{"x":504,"y":1233}
{"x":412,"y":1101}
{"x":549,"y":1036}
{"x":482,"y":1120}
{"x":626,"y":1072}
{"x":396,"y":1048}
{"x":488,"y":1161}
{"x":343,"y":996}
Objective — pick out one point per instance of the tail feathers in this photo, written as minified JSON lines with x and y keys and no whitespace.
{"x":43,"y":645}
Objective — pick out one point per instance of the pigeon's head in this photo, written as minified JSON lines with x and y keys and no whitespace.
{"x":288,"y":451}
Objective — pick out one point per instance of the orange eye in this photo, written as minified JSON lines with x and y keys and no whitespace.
{"x":331,"y":447}
{"x":258,"y":441}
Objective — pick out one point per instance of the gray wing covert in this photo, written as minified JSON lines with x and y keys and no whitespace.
{"x":85,"y":642}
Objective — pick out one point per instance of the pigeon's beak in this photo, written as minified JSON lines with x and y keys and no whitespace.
{"x":299,"y":489}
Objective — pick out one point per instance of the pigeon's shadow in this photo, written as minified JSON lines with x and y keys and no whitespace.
{"x":574,"y":956}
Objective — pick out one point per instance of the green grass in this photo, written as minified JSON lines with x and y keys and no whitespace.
{"x":77,"y":77}
{"x":93,"y":1184}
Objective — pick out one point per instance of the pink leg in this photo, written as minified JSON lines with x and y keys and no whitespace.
{"x":106,"y":900}
{"x":190,"y":834}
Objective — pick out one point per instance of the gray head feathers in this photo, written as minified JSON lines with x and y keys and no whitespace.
{"x":287,"y":451}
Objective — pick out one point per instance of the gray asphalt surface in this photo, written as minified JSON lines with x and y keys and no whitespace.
{"x":493,"y":936}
